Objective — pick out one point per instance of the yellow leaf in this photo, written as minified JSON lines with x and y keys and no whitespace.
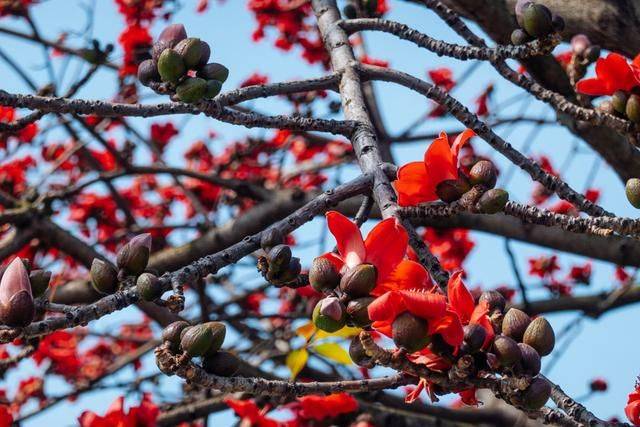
{"x":306,"y":330}
{"x":346,"y":332}
{"x":296,"y":360}
{"x":334,"y":352}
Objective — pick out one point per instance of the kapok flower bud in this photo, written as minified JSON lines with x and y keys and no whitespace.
{"x":451,"y":190}
{"x":329,"y":315}
{"x":485,"y":173}
{"x":171,"y":66}
{"x":530,"y":361}
{"x":173,"y":34}
{"x":537,"y":394}
{"x":271,"y":237}
{"x":289,"y":274}
{"x":279,"y":258}
{"x":213,"y":89}
{"x":196,"y":340}
{"x":493,"y":201}
{"x":632,"y":190}
{"x":474,"y":336}
{"x":410,"y":332}
{"x":494,"y":299}
{"x":537,"y":20}
{"x":218,"y":334}
{"x":506,"y":350}
{"x":579,"y":44}
{"x":190,"y":49}
{"x":39,"y":280}
{"x":359,"y":281}
{"x":148,"y":287}
{"x":134,"y":256}
{"x":171,"y":333}
{"x":359,"y":355}
{"x":619,"y":101}
{"x":193,"y":89}
{"x":515,"y":323}
{"x":214,"y":71}
{"x":104,"y":276}
{"x":358,"y":312}
{"x":519,"y":9}
{"x":323,"y":275}
{"x":148,"y":72}
{"x":540,"y":336}
{"x":16,"y":301}
{"x":519,"y":37}
{"x":221,"y":363}
{"x":632,"y":109}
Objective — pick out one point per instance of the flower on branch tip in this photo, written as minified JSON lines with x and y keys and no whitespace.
{"x":417,"y":181}
{"x":314,"y":407}
{"x":385,"y":248}
{"x":612,"y":73}
{"x":144,"y":415}
{"x":632,"y":410}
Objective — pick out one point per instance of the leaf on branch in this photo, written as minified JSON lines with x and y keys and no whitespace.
{"x":296,"y":360}
{"x":334,"y":352}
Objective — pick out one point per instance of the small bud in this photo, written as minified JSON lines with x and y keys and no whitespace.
{"x":496,"y":319}
{"x":190,"y":49}
{"x":323,"y":275}
{"x":579,"y":44}
{"x":148,"y":72}
{"x":632,"y":109}
{"x":359,"y":355}
{"x":519,"y":9}
{"x":506,"y":350}
{"x":171,"y":66}
{"x":196,"y":340}
{"x":474,"y":336}
{"x":493,"y":201}
{"x":270,"y":238}
{"x":632,"y":190}
{"x":410,"y":332}
{"x":134,"y":256}
{"x":218,"y":334}
{"x":173,"y":34}
{"x":104,"y":276}
{"x":537,"y":394}
{"x":359,"y":281}
{"x":205,"y":54}
{"x":287,"y":275}
{"x":279,"y":258}
{"x":494,"y":300}
{"x":519,"y":37}
{"x":221,"y":363}
{"x":325,"y":314}
{"x":451,"y":190}
{"x":16,"y":301}
{"x":214,"y":71}
{"x":540,"y":336}
{"x":172,"y":332}
{"x":592,"y":53}
{"x":537,"y":20}
{"x":515,"y":323}
{"x":357,"y":310}
{"x":193,"y":89}
{"x":148,"y":287}
{"x":39,"y":281}
{"x":483,"y":172}
{"x":619,"y":100}
{"x":558,"y":23}
{"x":213,"y":89}
{"x":530,"y":361}
{"x":350,"y":11}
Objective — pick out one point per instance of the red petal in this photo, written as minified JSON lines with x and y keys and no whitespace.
{"x":386,"y":307}
{"x":460,"y":141}
{"x":468,"y":397}
{"x":415,"y":393}
{"x":481,"y":318}
{"x":412,"y":185}
{"x":348,"y":238}
{"x":426,"y":305}
{"x":407,"y":275}
{"x":449,"y":327}
{"x":594,"y":87}
{"x":439,"y":160}
{"x":460,"y":299}
{"x":335,"y":259}
{"x":386,"y":246}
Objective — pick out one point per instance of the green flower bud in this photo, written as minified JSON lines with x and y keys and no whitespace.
{"x":218,"y":334}
{"x":633,"y":108}
{"x":323,"y":275}
{"x":213,"y":89}
{"x":537,"y":20}
{"x":196,"y":340}
{"x":191,"y":90}
{"x":221,"y":363}
{"x":214,"y":71}
{"x":619,"y":100}
{"x":410,"y":332}
{"x":148,"y":287}
{"x":172,"y":332}
{"x":190,"y":49}
{"x":39,"y":282}
{"x":329,"y":315}
{"x":359,"y":281}
{"x":104,"y":277}
{"x":171,"y":66}
{"x":632,"y":189}
{"x":357,"y":310}
{"x":493,"y":201}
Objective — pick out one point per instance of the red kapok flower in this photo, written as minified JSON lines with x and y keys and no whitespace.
{"x":417,"y":181}
{"x":249,"y":412}
{"x":320,"y":407}
{"x":385,"y":248}
{"x":612,"y":73}
{"x":144,"y":415}
{"x":632,"y":410}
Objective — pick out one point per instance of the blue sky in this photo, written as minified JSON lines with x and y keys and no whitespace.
{"x":605,"y":347}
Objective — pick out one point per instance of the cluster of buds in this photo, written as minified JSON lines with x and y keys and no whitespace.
{"x":204,"y":341}
{"x":19,"y":285}
{"x":481,"y":178}
{"x":279,"y":267}
{"x":131,"y":262}
{"x":583,"y":53}
{"x":536,"y":21}
{"x":624,"y":104}
{"x":182,"y":63}
{"x":361,"y":9}
{"x":347,"y":295}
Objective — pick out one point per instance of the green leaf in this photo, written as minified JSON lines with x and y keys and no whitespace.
{"x":334,"y":352}
{"x":296,"y":360}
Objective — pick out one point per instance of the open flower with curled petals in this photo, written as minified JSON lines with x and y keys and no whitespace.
{"x":417,"y":181}
{"x":385,"y":248}
{"x":632,"y":410}
{"x":613,"y":73}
